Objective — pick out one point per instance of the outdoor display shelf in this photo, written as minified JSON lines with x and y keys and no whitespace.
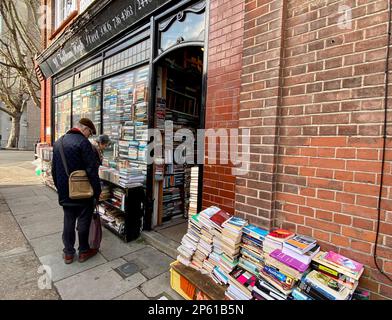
{"x":183,"y":276}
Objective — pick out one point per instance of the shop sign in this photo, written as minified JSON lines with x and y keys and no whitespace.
{"x":115,"y":18}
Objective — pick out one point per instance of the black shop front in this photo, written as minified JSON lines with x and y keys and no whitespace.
{"x":132,"y":66}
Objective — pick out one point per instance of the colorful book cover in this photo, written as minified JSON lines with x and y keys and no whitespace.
{"x":281,"y":234}
{"x":344,"y":262}
{"x":253,"y":230}
{"x":289,"y":261}
{"x":327,"y":285}
{"x":301,"y":242}
{"x":220,"y":217}
{"x":236,"y":222}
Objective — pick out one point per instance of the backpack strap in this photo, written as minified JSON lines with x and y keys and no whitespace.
{"x":63,"y":156}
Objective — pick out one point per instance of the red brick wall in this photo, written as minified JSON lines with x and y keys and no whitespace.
{"x":224,"y":80}
{"x":260,"y":100}
{"x":46,"y":85}
{"x":324,"y":117}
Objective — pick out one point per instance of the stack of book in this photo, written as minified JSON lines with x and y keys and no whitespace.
{"x":106,"y":193}
{"x":274,"y":240}
{"x":141,"y":111}
{"x":283,"y":271}
{"x":205,"y":216}
{"x":128,"y":131}
{"x":252,"y":254}
{"x":219,"y":276}
{"x":193,"y":190}
{"x":189,"y":242}
{"x":141,"y":131}
{"x":334,"y":277}
{"x":160,"y":113}
{"x":231,"y":242}
{"x":302,"y":248}
{"x":241,"y":283}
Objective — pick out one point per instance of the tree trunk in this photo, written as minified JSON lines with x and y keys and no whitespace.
{"x":15,"y":131}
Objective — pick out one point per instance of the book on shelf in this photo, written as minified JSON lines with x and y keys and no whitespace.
{"x":300,"y":243}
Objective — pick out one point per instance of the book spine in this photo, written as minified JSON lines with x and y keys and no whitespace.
{"x":284,"y":268}
{"x":320,"y":289}
{"x":331,"y":272}
{"x":311,"y":292}
{"x":298,"y":295}
{"x":278,"y":275}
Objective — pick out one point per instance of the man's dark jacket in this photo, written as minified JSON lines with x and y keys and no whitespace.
{"x":79,"y":155}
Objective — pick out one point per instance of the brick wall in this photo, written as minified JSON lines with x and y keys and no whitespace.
{"x":47,"y":39}
{"x":324,"y":117}
{"x":224,"y":80}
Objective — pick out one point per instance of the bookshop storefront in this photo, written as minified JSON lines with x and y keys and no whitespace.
{"x":129,"y":67}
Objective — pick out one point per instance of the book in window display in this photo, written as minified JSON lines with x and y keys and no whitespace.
{"x":86,"y":104}
{"x":124,"y":105}
{"x":63,"y":115}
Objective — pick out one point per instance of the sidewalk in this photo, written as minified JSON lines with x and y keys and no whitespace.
{"x":30,"y":236}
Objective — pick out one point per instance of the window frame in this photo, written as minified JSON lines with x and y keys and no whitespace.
{"x":57,"y":21}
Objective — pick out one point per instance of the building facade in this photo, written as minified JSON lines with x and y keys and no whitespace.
{"x":309,"y":79}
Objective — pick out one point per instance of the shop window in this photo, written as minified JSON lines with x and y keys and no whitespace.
{"x":125,"y":120}
{"x":185,"y":26}
{"x":63,"y":86}
{"x":137,"y":53}
{"x":88,"y":74}
{"x":62,"y":115}
{"x":86,"y":103}
{"x":63,"y":9}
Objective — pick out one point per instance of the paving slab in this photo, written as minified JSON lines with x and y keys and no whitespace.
{"x":41,"y":228}
{"x":99,"y":283}
{"x":134,"y":294}
{"x":151,"y":261}
{"x":158,"y":286}
{"x":39,"y":217}
{"x":112,"y":247}
{"x":29,"y":200}
{"x":46,"y":245}
{"x":60,"y":270}
{"x":38,"y":207}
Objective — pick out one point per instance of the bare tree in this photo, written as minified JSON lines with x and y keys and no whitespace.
{"x":19,"y":44}
{"x":14,"y":95}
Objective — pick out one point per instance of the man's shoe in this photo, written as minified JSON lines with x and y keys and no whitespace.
{"x":68,"y":258}
{"x":87,"y":255}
